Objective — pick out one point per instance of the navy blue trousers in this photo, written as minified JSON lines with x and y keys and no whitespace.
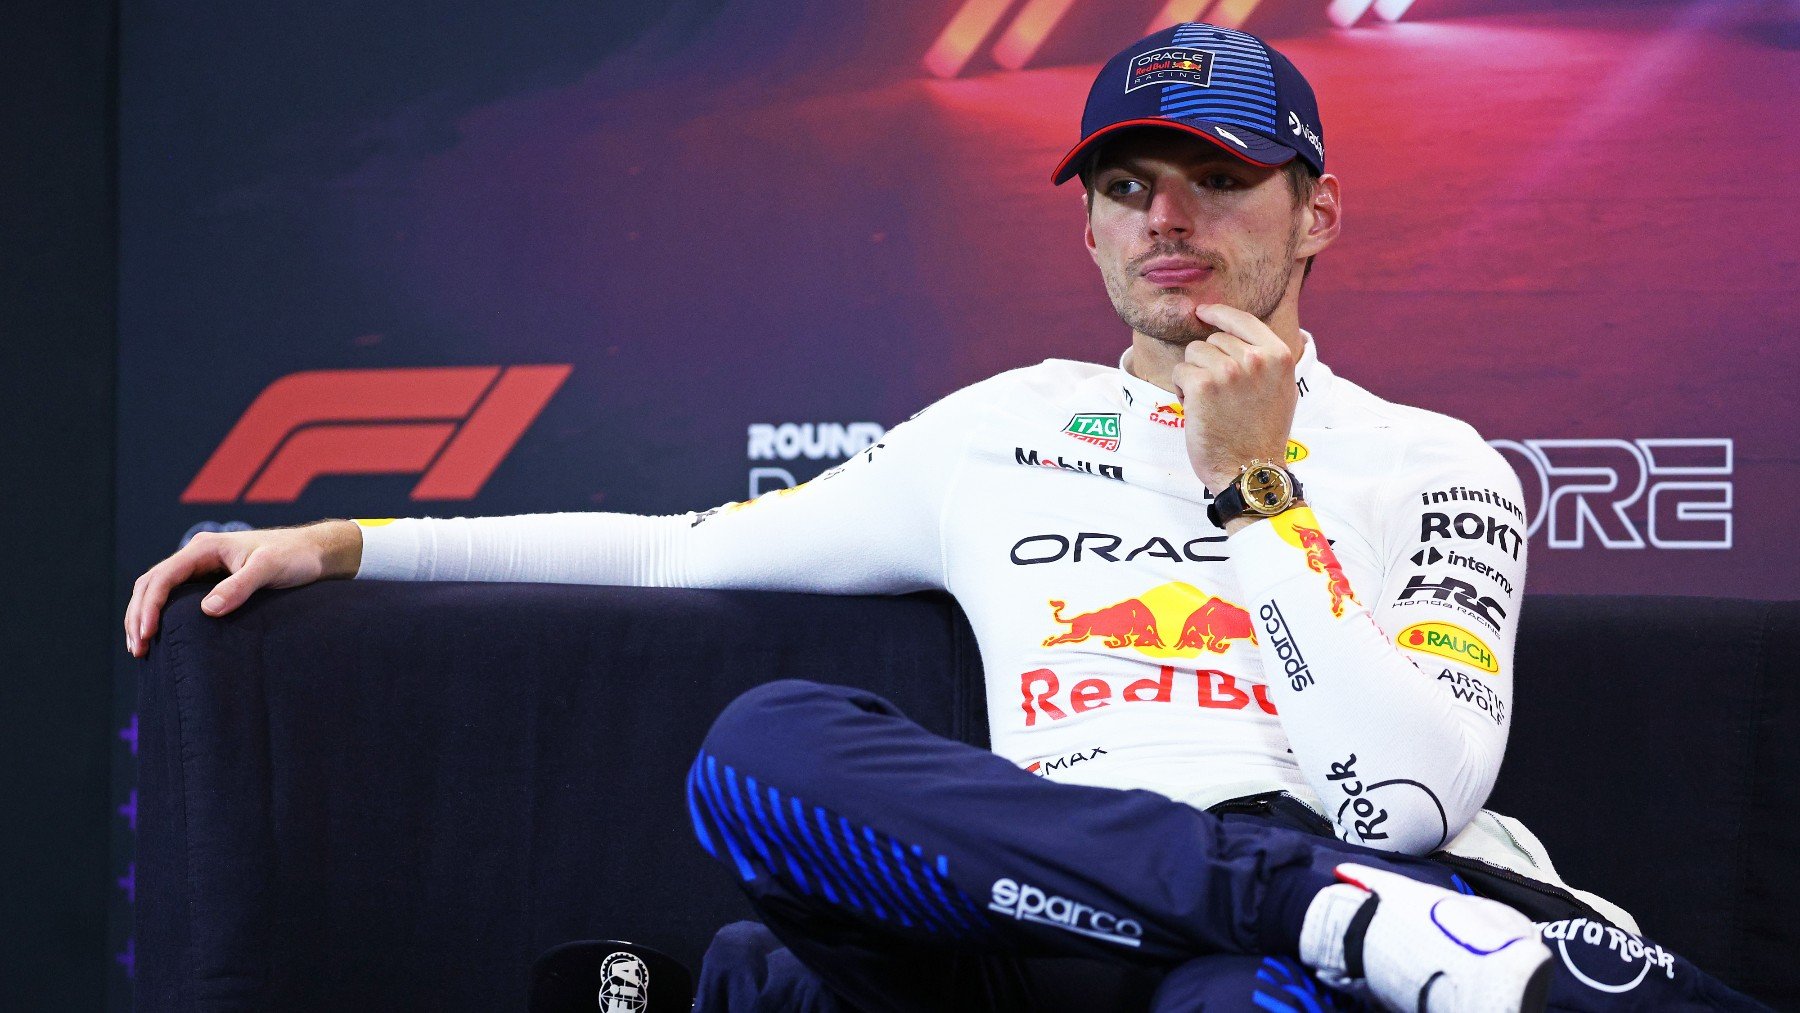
{"x":898,"y":870}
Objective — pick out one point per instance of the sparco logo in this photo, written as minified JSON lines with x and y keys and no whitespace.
{"x":1595,"y":967}
{"x":1027,"y":903}
{"x":1293,"y":665}
{"x":1471,"y":526}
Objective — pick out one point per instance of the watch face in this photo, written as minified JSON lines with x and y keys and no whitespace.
{"x":1266,"y":489}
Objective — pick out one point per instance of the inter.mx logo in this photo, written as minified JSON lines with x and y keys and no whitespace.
{"x":455,"y":424}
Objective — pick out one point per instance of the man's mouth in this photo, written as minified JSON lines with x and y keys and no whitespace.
{"x":1168,"y":272}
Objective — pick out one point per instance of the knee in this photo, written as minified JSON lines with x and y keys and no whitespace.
{"x":740,"y":944}
{"x":746,"y":967}
{"x":1236,"y":981}
{"x":763,"y":713}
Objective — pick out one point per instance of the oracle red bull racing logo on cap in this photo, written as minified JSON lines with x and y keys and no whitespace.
{"x":1448,"y":640}
{"x":1173,"y":620}
{"x":1167,"y":64}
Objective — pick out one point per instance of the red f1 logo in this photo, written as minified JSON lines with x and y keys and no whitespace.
{"x":456,"y":424}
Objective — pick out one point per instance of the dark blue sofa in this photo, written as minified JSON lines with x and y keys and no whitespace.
{"x":395,"y":796}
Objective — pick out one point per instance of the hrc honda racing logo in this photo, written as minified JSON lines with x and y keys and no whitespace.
{"x":1027,"y":903}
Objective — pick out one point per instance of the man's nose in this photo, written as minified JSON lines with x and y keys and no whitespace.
{"x":1171,"y":212}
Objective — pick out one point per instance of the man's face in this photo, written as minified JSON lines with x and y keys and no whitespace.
{"x":1177,"y":222}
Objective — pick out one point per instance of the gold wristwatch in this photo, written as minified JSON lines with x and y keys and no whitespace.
{"x":1262,"y":489}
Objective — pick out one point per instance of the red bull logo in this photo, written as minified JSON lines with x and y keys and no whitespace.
{"x":1172,"y":415}
{"x":1147,"y":623}
{"x":1045,"y":696}
{"x":1213,"y":626}
{"x":1299,"y":528}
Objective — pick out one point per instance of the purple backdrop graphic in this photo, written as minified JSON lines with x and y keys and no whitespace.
{"x":755,"y":233}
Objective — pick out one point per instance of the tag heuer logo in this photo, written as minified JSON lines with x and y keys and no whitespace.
{"x":1100,"y":430}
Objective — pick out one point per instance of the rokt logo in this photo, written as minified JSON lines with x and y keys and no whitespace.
{"x":456,"y":424}
{"x":1447,"y":640}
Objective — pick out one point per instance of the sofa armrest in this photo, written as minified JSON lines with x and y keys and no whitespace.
{"x":368,"y":794}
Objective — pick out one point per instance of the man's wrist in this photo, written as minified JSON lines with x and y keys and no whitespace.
{"x":1239,"y":523}
{"x":340,"y":545}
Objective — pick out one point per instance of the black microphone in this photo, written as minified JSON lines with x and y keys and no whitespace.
{"x":609,"y":976}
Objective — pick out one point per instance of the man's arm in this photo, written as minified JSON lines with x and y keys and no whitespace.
{"x":868,"y":526}
{"x":1396,"y":699}
{"x":1378,"y":696}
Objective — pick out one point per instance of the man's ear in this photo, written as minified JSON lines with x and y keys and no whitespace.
{"x":1087,"y":235}
{"x":1324,"y":217}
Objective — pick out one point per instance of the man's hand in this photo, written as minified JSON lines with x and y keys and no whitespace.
{"x":279,"y":557}
{"x":1237,"y":392}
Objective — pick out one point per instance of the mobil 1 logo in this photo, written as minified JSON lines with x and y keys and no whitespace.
{"x":1460,"y":593}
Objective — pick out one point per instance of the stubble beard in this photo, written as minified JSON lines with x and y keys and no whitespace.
{"x":1257,"y":287}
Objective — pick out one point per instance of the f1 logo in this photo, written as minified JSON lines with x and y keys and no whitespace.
{"x":455,"y":424}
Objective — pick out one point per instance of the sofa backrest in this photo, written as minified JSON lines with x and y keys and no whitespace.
{"x":361,"y":794}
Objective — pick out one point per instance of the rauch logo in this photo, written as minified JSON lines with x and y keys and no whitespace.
{"x":1447,"y":640}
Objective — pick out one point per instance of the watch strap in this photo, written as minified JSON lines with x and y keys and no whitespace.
{"x":1230,"y":504}
{"x":1227,"y":505}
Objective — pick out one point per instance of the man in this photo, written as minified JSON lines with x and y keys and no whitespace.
{"x":1210,"y":575}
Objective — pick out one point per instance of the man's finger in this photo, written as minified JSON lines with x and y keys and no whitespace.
{"x":1237,"y":323}
{"x":165,"y":577}
{"x":257,"y":571}
{"x":1205,"y":354}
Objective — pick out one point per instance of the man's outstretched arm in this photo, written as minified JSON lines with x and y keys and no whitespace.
{"x":867,"y":526}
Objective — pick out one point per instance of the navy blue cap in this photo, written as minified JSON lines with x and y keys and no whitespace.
{"x":1227,"y":86}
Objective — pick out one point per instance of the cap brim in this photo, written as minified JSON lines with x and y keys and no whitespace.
{"x":1256,"y":150}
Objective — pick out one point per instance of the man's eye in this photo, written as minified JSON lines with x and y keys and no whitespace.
{"x":1220,"y":181}
{"x":1123,"y":187}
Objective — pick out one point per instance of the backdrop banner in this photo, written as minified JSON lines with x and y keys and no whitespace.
{"x":654,"y":256}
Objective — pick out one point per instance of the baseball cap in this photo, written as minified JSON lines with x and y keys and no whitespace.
{"x":1227,"y":86}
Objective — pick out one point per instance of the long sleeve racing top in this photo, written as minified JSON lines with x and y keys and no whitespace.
{"x":1356,"y":653}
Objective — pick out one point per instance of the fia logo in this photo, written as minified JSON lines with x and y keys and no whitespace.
{"x":624,"y":984}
